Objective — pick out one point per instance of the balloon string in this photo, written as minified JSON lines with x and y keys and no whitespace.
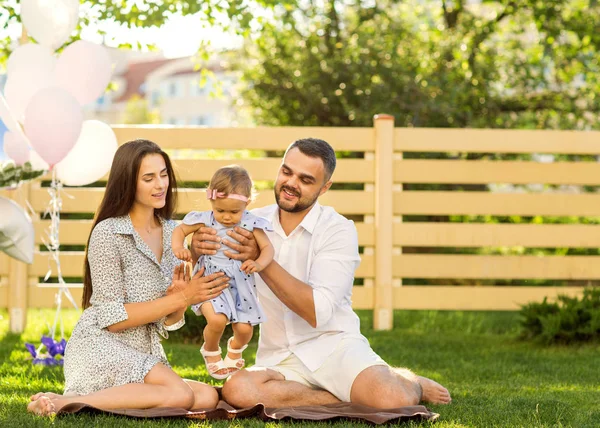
{"x":53,"y":246}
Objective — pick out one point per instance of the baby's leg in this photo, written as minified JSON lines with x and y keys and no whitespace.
{"x":215,"y":325}
{"x":242,"y":333}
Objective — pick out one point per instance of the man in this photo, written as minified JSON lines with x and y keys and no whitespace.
{"x":310,"y":349}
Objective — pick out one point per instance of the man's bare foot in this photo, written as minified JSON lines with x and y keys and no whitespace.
{"x":43,"y":406}
{"x":51,"y":395}
{"x":433,"y":392}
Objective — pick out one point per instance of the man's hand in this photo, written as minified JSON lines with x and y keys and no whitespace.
{"x":205,"y":242}
{"x":243,"y":242}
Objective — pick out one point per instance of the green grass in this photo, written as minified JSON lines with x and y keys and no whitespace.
{"x":494,"y":379}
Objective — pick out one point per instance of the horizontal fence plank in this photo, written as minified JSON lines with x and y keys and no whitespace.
{"x":71,"y":232}
{"x":405,"y":298}
{"x":481,"y":203}
{"x":77,"y":232}
{"x":87,"y":200}
{"x":260,"y":138}
{"x":430,"y":234}
{"x":265,"y":169}
{"x":496,"y":267}
{"x":346,"y":171}
{"x":72,"y":265}
{"x":496,"y":141}
{"x":483,"y":172}
{"x":42,"y":296}
{"x":363,"y":297}
{"x":476,"y":298}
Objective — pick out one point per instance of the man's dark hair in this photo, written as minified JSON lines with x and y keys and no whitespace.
{"x":315,"y":148}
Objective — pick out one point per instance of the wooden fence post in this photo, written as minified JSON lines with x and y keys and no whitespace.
{"x":18,"y":277}
{"x":383,"y":315}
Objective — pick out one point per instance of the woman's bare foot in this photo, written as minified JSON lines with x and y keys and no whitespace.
{"x":51,"y":395}
{"x":43,"y":406}
{"x":433,"y":392}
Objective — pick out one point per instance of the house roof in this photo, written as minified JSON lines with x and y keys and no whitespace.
{"x":135,"y":76}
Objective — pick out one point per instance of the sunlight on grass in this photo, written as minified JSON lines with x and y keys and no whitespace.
{"x":495,"y":379}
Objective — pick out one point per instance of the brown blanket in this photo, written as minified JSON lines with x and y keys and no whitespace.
{"x":330,"y":412}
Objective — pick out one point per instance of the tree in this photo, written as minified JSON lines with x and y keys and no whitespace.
{"x":506,"y":64}
{"x":234,"y":14}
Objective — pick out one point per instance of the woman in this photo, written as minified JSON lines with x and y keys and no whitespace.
{"x":134,"y":292}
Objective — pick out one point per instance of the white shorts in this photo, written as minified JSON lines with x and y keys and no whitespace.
{"x":352,"y":355}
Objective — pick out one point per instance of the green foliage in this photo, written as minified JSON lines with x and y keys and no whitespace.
{"x":12,"y":175}
{"x":498,"y":64}
{"x":570,"y":320}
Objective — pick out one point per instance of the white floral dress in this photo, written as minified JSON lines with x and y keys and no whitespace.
{"x":124,"y":270}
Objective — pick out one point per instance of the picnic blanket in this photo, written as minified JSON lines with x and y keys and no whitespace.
{"x":329,"y":412}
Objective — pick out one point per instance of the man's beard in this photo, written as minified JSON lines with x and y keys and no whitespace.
{"x":299,"y":206}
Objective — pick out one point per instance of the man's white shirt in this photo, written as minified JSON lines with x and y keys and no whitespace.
{"x":323,"y":253}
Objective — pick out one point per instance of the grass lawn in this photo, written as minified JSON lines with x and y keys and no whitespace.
{"x":494,"y":379}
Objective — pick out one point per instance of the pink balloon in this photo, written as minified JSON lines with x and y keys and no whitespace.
{"x":53,"y":121}
{"x":84,"y":70}
{"x":16,"y":148}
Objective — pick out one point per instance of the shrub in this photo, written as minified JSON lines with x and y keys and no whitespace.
{"x":569,"y":320}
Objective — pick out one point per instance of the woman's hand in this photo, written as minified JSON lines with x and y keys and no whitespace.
{"x":203,"y":288}
{"x":181,"y":278}
{"x":180,"y":281}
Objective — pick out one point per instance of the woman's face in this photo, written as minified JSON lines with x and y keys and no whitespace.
{"x":152,"y":182}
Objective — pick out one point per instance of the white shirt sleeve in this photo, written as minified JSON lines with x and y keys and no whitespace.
{"x":332,"y":271}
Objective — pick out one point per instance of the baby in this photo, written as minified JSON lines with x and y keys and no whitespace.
{"x":229,"y":192}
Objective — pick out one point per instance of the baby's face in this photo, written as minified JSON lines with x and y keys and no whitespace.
{"x":227,"y":211}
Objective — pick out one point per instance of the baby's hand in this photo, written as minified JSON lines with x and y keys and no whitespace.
{"x":183,"y":254}
{"x":250,"y":266}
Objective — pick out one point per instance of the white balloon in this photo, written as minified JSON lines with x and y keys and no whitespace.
{"x":16,"y":231}
{"x":84,"y":70}
{"x":16,"y":148}
{"x":50,"y":22}
{"x":20,"y":89}
{"x":91,"y":157}
{"x":8,"y":117}
{"x":31,"y":59}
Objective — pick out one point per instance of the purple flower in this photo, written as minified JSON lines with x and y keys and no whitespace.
{"x":31,"y":349}
{"x":54,"y":349}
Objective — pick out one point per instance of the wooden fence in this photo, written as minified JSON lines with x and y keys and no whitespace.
{"x":399,"y":241}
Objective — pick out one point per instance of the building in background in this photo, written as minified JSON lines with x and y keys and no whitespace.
{"x":148,"y":88}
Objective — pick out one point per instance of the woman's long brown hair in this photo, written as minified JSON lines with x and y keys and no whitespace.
{"x":120,"y":194}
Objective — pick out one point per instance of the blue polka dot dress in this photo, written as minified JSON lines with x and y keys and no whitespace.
{"x":239,"y":302}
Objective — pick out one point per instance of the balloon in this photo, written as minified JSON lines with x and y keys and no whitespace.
{"x":37,"y":163}
{"x":91,"y":157}
{"x":84,"y":69}
{"x":27,"y":79}
{"x":50,"y":22}
{"x":53,"y":122}
{"x":3,"y":130}
{"x":7,"y":116}
{"x":16,"y":148}
{"x":31,"y":59}
{"x":16,"y":231}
